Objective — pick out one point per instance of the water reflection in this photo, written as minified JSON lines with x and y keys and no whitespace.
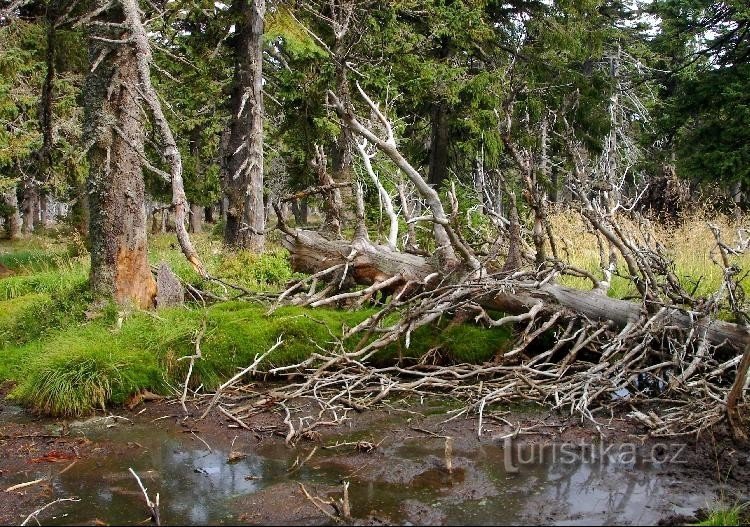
{"x":403,"y":482}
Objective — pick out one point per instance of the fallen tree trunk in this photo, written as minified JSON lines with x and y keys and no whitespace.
{"x":369,"y":264}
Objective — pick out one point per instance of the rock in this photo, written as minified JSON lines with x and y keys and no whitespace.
{"x":169,"y":288}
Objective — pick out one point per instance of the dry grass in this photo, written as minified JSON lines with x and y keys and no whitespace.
{"x":690,"y":243}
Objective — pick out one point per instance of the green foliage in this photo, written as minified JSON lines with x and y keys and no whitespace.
{"x":258,"y":271}
{"x":21,"y":75}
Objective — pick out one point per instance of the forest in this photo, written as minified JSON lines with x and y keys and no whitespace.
{"x":317,"y":223}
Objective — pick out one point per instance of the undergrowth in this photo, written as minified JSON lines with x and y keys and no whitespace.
{"x":84,"y":366}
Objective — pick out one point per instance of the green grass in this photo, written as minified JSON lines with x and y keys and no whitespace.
{"x":65,"y":360}
{"x":726,"y":516}
{"x":82,"y":366}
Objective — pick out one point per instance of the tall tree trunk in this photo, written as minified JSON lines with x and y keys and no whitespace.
{"x":342,"y":158}
{"x":13,"y":215}
{"x":331,"y":199}
{"x":44,"y":217}
{"x":30,"y":206}
{"x":243,"y":181}
{"x":196,"y":210}
{"x":196,"y":217}
{"x":439,"y":140}
{"x":119,"y":263}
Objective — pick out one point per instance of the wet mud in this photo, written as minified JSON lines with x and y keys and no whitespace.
{"x":404,"y":465}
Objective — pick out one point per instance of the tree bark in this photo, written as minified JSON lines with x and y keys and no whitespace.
{"x":736,"y":422}
{"x":196,"y":217}
{"x":342,"y":158}
{"x":331,"y":199}
{"x":116,"y":190}
{"x":30,"y":207}
{"x":439,"y":140}
{"x":243,"y":181}
{"x":13,"y":215}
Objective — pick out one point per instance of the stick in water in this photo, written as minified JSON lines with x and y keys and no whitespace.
{"x":153,"y":508}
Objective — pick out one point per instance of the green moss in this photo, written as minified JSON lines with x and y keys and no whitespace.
{"x":84,"y":366}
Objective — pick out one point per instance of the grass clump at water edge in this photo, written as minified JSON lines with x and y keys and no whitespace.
{"x":87,"y":366}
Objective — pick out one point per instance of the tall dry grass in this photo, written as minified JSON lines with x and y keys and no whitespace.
{"x":689,"y":242}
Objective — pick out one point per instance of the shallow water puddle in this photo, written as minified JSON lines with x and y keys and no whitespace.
{"x":403,"y":481}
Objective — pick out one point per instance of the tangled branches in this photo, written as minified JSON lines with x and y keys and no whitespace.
{"x":669,"y":360}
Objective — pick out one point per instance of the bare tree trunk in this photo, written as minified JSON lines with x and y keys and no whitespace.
{"x":439,"y":141}
{"x":243,"y":184}
{"x":332,"y":198}
{"x":411,"y":230}
{"x":119,"y":263}
{"x":13,"y":216}
{"x":30,"y":207}
{"x":342,"y":159}
{"x":44,"y":216}
{"x":196,"y":217}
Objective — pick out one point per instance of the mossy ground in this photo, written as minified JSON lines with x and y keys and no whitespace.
{"x":66,"y":360}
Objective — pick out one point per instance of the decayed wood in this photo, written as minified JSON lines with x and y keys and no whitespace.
{"x":312,"y":253}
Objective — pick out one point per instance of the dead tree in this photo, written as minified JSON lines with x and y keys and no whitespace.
{"x":604,"y":347}
{"x":332,"y":198}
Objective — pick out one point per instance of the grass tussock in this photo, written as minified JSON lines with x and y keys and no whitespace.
{"x":727,"y":515}
{"x":88,"y":365}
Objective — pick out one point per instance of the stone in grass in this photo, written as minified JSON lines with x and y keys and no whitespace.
{"x":169,"y":288}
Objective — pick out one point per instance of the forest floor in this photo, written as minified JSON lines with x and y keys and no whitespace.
{"x":208,"y":471}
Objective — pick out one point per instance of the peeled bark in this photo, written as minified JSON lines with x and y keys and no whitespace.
{"x":311,"y":253}
{"x":116,"y":190}
{"x":243,"y":181}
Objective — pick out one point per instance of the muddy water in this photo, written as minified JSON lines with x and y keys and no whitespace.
{"x":404,"y":481}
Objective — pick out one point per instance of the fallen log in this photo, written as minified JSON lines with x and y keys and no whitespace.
{"x":369,"y":263}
